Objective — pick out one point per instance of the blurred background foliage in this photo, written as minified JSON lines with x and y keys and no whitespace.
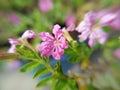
{"x":105,"y":70}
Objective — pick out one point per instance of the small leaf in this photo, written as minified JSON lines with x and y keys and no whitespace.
{"x":40,"y":72}
{"x":44,"y":82}
{"x":61,"y":85}
{"x":29,"y":67}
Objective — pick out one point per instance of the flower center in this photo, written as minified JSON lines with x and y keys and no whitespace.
{"x":56,"y":42}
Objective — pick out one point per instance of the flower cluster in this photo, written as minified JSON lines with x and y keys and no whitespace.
{"x":90,"y":29}
{"x":51,"y":45}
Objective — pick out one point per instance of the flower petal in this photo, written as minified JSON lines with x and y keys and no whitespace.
{"x":13,"y":41}
{"x":12,"y":49}
{"x":57,"y":53}
{"x":63,"y":43}
{"x":101,"y":35}
{"x":92,"y":39}
{"x":57,"y":31}
{"x":107,"y":19}
{"x":44,"y":45}
{"x":46,"y":48}
{"x":28,"y":34}
{"x":45,"y":36}
{"x":84,"y":35}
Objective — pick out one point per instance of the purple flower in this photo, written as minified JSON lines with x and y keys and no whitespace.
{"x":53,"y":45}
{"x":111,"y":16}
{"x":116,"y":53}
{"x":88,"y":29}
{"x":97,"y":35}
{"x":28,"y":34}
{"x":116,"y":23}
{"x":13,"y":18}
{"x":45,"y":5}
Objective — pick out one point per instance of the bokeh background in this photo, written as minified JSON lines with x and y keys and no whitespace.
{"x":16,"y":16}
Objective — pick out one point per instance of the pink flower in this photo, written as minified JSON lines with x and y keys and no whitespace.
{"x":70,"y":22}
{"x":28,"y":34}
{"x":13,"y":18}
{"x":70,"y":19}
{"x":116,"y":53}
{"x":12,"y":49}
{"x":13,"y":43}
{"x":89,"y":30}
{"x":53,"y":45}
{"x":45,"y":5}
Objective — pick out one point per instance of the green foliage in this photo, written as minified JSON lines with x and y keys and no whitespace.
{"x":74,"y":56}
{"x":78,"y":2}
{"x":40,"y":72}
{"x":44,"y":82}
{"x":26,"y":52}
{"x":29,"y":66}
{"x":22,"y":3}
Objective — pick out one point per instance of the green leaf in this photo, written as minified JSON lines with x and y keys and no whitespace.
{"x":61,"y":85}
{"x":44,"y":82}
{"x":106,"y":28}
{"x":40,"y":72}
{"x":79,"y":53}
{"x":29,"y":67}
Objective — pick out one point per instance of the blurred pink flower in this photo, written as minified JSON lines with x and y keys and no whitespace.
{"x":116,"y":23}
{"x":45,"y":5}
{"x":53,"y":45}
{"x":111,"y":15}
{"x":13,"y":43}
{"x":12,"y":49}
{"x":28,"y":34}
{"x":116,"y":53}
{"x":97,"y":35}
{"x":13,"y":18}
{"x":88,"y":29}
{"x":70,"y":22}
